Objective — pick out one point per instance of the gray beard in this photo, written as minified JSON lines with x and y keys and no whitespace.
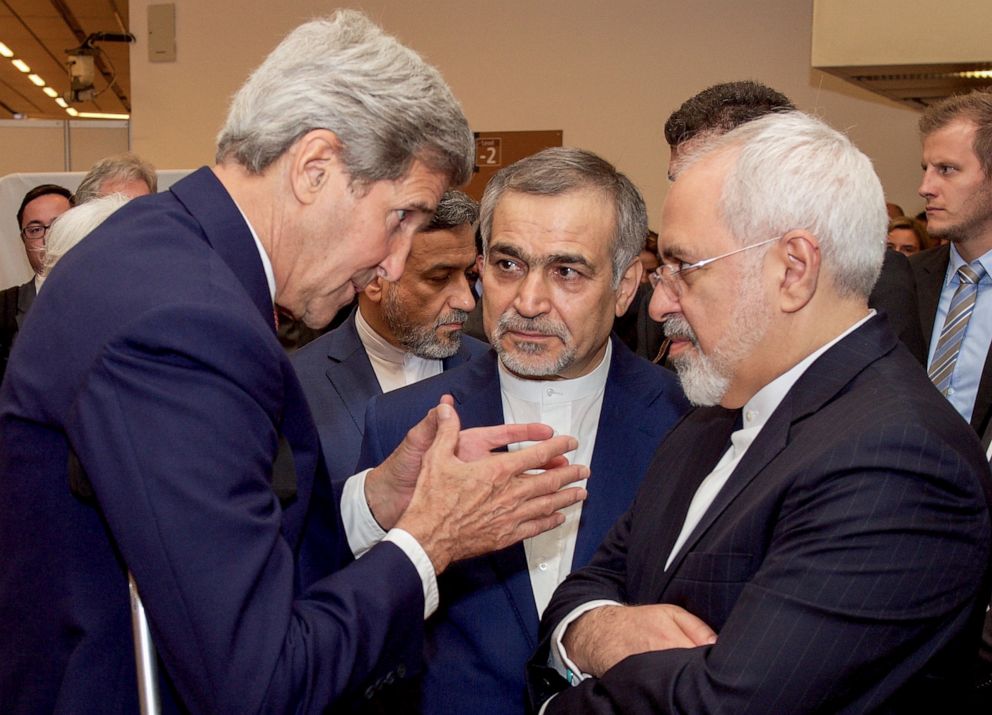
{"x":513,"y":360}
{"x":705,"y":377}
{"x":422,"y":340}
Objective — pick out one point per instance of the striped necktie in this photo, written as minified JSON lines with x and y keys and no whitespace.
{"x":945,"y":357}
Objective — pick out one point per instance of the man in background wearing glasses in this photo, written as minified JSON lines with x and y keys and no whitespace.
{"x":40,"y":206}
{"x":815,"y":537}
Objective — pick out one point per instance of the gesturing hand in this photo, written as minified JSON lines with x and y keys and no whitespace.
{"x":464,"y":508}
{"x":389,"y":487}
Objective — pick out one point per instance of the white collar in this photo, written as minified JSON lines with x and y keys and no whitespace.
{"x":557,"y":391}
{"x":270,"y":277}
{"x":377,"y":345}
{"x":762,"y":404}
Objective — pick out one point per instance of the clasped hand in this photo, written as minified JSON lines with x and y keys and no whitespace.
{"x":459,"y":498}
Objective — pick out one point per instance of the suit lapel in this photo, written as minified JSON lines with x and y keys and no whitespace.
{"x":931,"y":267}
{"x":25,"y":297}
{"x":350,"y":373}
{"x":228,"y":234}
{"x":820,"y":383}
{"x":626,"y":398}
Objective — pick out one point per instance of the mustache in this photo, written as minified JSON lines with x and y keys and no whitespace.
{"x":454,"y":316}
{"x":513,"y":321}
{"x":678,"y":328}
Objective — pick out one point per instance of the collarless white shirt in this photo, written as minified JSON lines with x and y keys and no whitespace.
{"x":569,"y":407}
{"x":393,"y":367}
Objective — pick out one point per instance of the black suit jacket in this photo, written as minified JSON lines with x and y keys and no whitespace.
{"x":929,"y":269}
{"x":895,"y":295}
{"x":844,"y":565}
{"x":14,"y":304}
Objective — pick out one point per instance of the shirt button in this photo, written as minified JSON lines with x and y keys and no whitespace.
{"x":751,"y":415}
{"x":549,"y":392}
{"x":950,"y":390}
{"x":543,"y":566}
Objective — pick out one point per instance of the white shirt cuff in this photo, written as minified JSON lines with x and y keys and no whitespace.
{"x":415,"y":552}
{"x":361,"y":528}
{"x":559,"y":659}
{"x":363,"y":532}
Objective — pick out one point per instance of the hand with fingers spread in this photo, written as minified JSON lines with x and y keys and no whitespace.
{"x":602,"y":637}
{"x":390,"y":486}
{"x":469,"y":500}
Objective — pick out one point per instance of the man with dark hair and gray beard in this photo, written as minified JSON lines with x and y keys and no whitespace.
{"x":402,"y":331}
{"x":562,"y":233}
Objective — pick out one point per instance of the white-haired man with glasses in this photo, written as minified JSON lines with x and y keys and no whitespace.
{"x":39,"y":208}
{"x":815,"y":537}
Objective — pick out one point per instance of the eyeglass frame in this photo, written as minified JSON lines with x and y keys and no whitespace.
{"x":36,"y":225}
{"x":666,"y":274}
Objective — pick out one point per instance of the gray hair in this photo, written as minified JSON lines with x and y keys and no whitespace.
{"x":120,"y":167}
{"x":343,"y":73}
{"x":453,"y":210}
{"x":75,"y":224}
{"x":557,"y":171}
{"x":792,"y":171}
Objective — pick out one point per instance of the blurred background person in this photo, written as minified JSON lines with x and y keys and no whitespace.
{"x":39,"y":208}
{"x":125,"y":173}
{"x":907,"y":235}
{"x":73,"y":226}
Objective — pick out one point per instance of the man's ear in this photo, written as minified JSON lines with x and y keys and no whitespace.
{"x":374,"y":289}
{"x":628,"y":285}
{"x":800,"y":256}
{"x":314,"y":158}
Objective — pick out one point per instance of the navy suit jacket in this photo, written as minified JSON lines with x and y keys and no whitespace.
{"x":146,"y":412}
{"x":478,"y":642}
{"x":844,"y":565}
{"x":338,"y":381}
{"x":929,"y":268}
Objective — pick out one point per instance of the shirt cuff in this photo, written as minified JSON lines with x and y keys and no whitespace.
{"x":415,"y":552}
{"x":360,"y":526}
{"x":363,"y":532}
{"x":559,"y":659}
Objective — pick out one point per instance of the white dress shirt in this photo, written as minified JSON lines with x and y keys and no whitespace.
{"x":393,"y":367}
{"x":755,"y":414}
{"x":569,"y":407}
{"x":355,"y":512}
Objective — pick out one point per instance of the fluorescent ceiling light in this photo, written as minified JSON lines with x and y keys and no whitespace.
{"x":51,"y":92}
{"x":102,"y":115}
{"x":5,"y":51}
{"x":62,"y":103}
{"x":21,"y":65}
{"x":72,"y":111}
{"x":38,"y":81}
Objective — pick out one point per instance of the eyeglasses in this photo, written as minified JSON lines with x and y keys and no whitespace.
{"x":35,"y":231}
{"x":671,"y":277}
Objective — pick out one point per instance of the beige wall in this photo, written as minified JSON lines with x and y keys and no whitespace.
{"x":607,"y":73}
{"x":28,"y":146}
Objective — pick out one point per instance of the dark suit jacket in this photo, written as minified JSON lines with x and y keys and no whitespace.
{"x":146,"y":409}
{"x":929,"y":268}
{"x":895,"y":295}
{"x":14,"y":304}
{"x":844,"y":565}
{"x":478,"y":642}
{"x":338,"y":381}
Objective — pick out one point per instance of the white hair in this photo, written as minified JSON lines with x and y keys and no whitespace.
{"x":791,"y":171}
{"x":343,"y":73}
{"x":74,"y":225}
